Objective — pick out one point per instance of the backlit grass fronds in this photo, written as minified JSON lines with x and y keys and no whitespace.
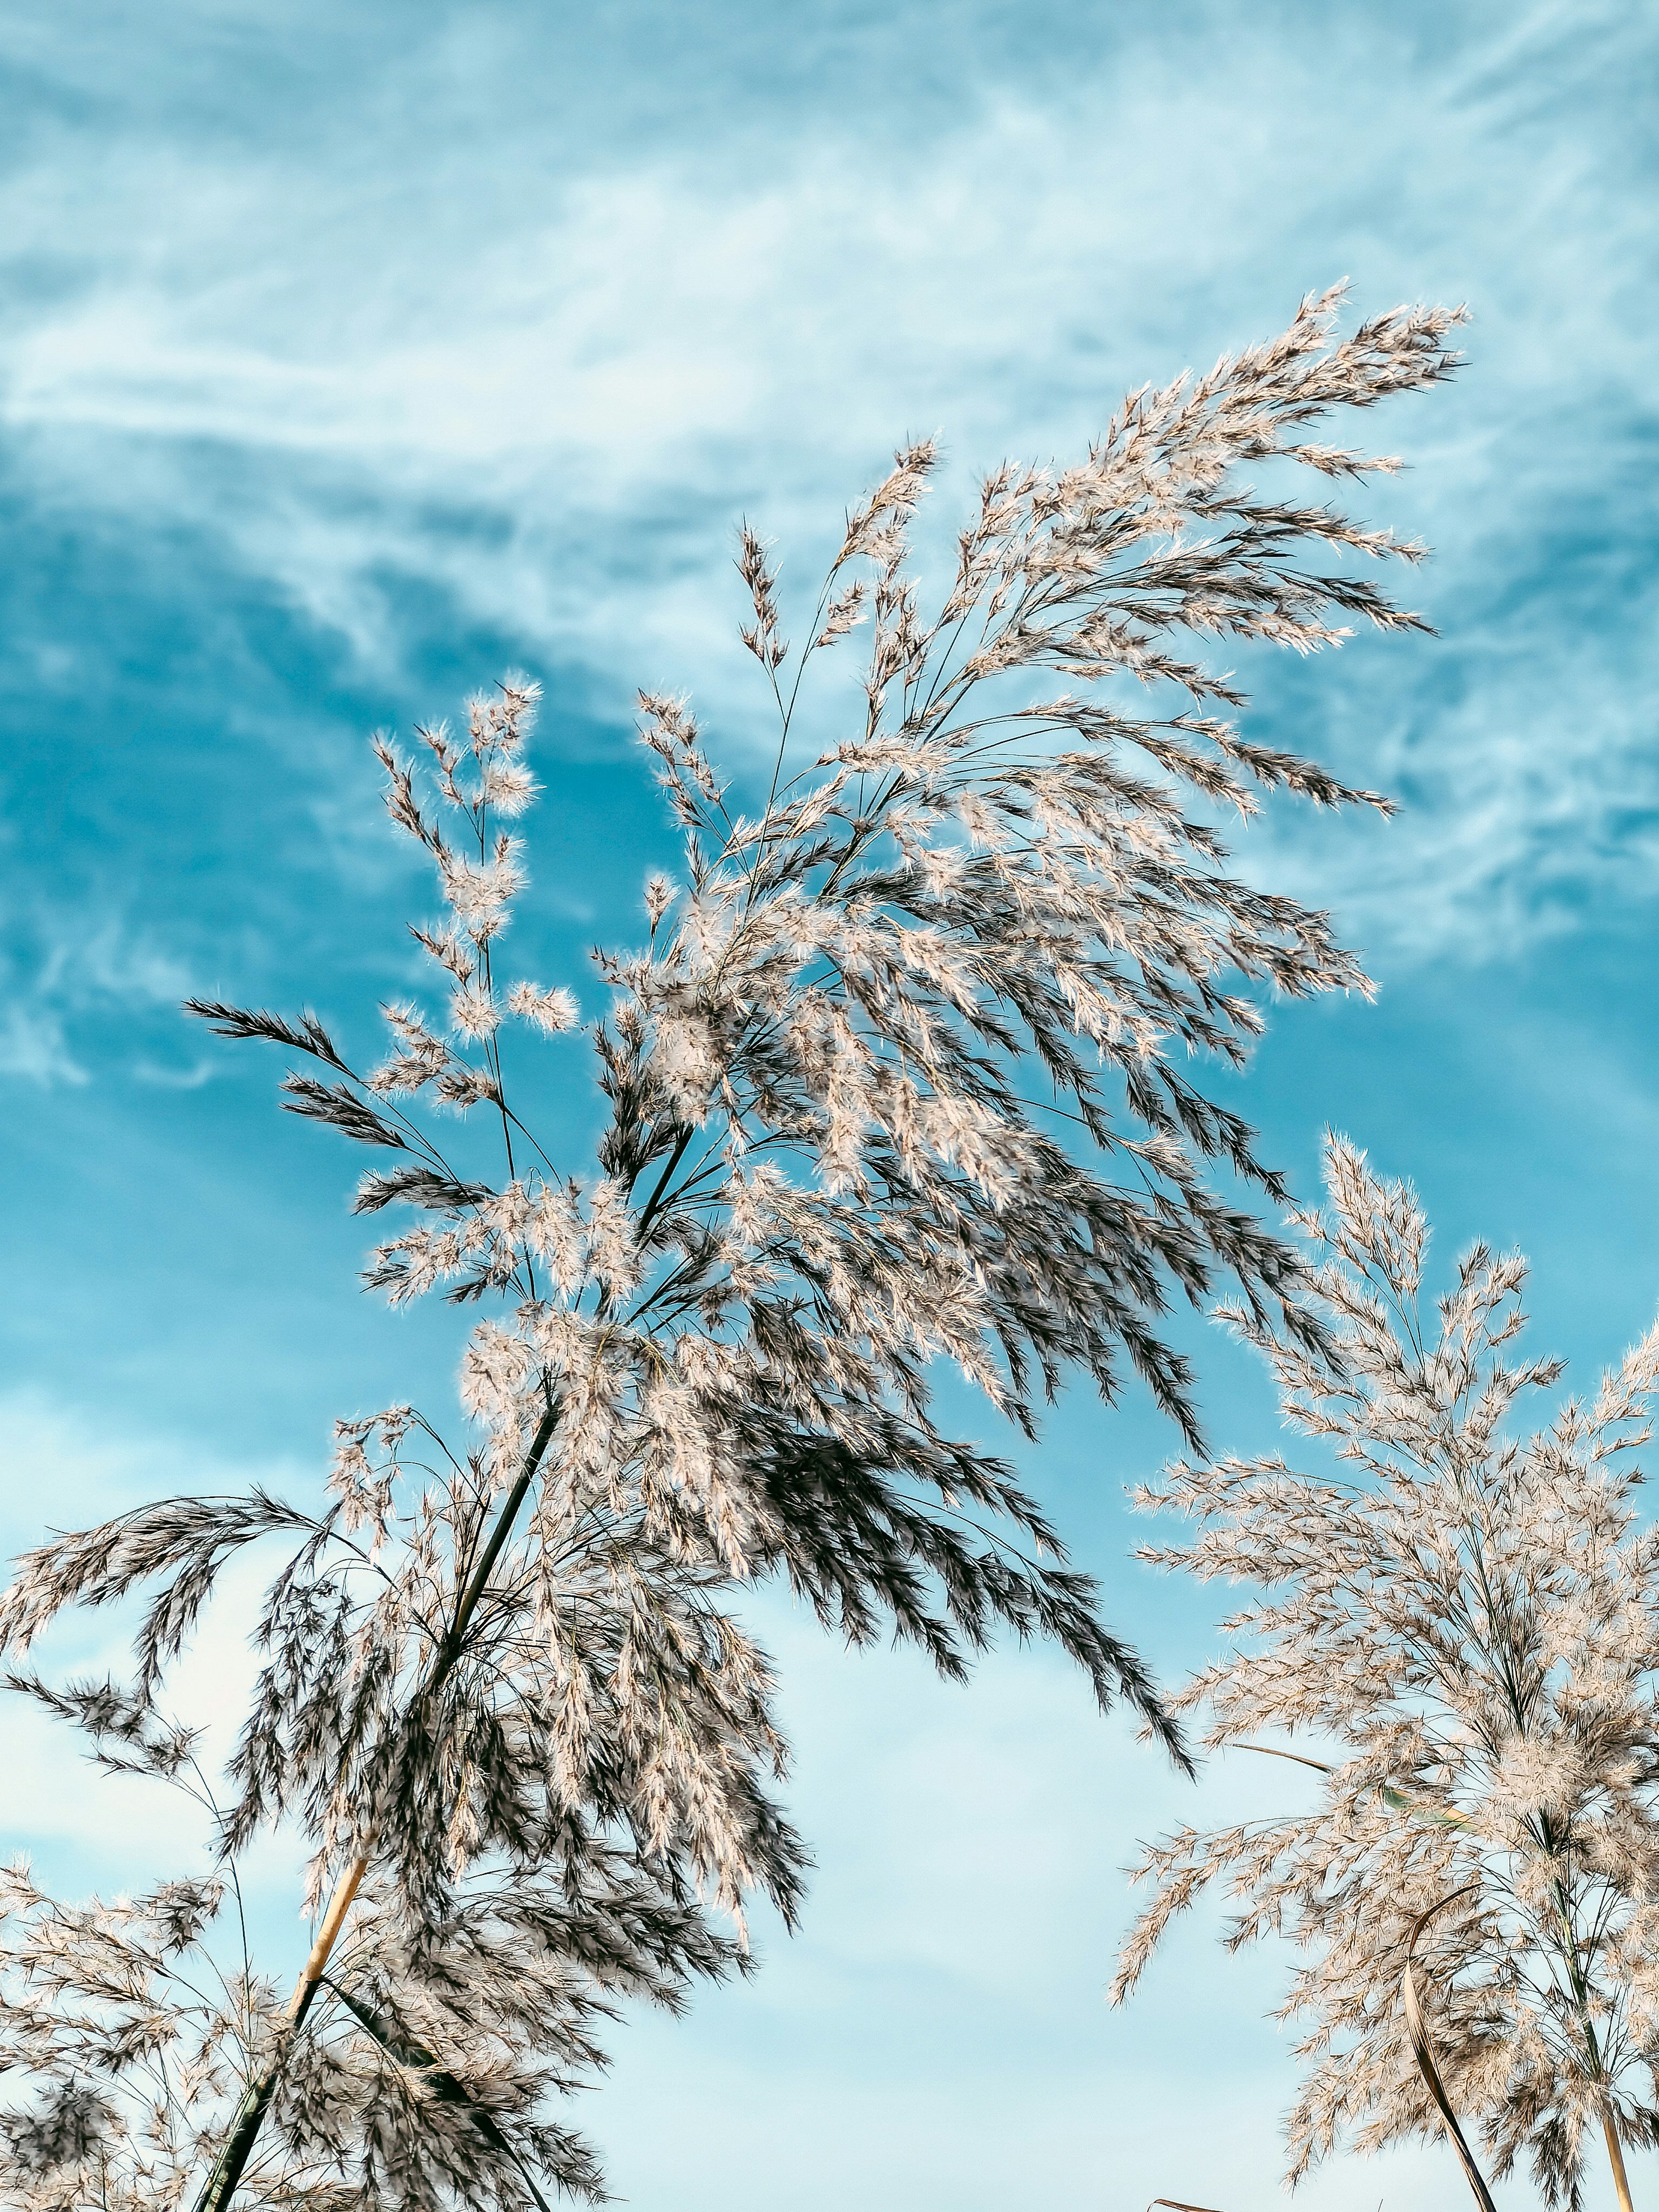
{"x":1461,"y":1626}
{"x":893,"y":1080}
{"x":135,"y":2032}
{"x":596,"y":1686}
{"x":130,"y":2031}
{"x":889,"y":1082}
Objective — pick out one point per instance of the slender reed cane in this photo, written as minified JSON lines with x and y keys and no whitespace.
{"x":232,"y":2161}
{"x":1616,"y":2159}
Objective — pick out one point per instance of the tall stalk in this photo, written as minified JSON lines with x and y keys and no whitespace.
{"x":1616,"y":2160}
{"x":232,"y":2162}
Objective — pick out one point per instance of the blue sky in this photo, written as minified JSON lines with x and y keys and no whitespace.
{"x":351,"y":353}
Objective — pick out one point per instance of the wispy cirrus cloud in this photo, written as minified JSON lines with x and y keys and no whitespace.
{"x":60,"y":967}
{"x":461,"y":339}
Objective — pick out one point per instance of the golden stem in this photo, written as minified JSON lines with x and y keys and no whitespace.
{"x":333,"y":1920}
{"x":1616,"y":2157}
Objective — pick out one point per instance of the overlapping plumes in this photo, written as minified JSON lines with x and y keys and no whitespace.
{"x":599,"y":1688}
{"x":135,"y":2026}
{"x":1462,"y":1630}
{"x":710,"y":1359}
{"x":544,"y":1785}
{"x":849,"y":983}
{"x":823,"y":1173}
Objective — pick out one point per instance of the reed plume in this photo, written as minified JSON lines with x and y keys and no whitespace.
{"x":1460,"y":1620}
{"x":708,"y":1359}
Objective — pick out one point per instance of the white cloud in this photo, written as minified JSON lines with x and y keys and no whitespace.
{"x":61,"y":966}
{"x":175,"y":1079}
{"x":937,"y":2033}
{"x":551,"y":401}
{"x":33,"y":1046}
{"x":83,"y":1828}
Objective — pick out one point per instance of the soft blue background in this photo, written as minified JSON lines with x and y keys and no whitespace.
{"x":350,"y":353}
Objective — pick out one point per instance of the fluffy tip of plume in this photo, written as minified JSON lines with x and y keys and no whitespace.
{"x":474,"y":1012}
{"x":551,"y":1011}
{"x":500,"y":720}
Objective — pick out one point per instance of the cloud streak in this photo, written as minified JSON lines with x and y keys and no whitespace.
{"x":350,"y":353}
{"x":61,"y":967}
